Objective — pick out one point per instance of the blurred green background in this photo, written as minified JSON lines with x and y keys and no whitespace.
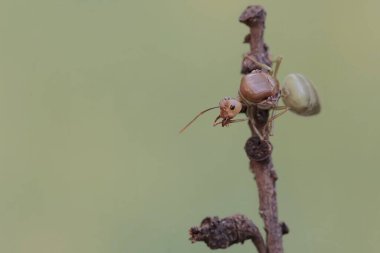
{"x":93,"y":93}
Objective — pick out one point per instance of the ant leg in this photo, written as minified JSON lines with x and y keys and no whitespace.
{"x":261,"y":65}
{"x":279,"y":114}
{"x":230,"y":121}
{"x":281,"y":107}
{"x":250,"y":117}
{"x":257,"y":131}
{"x":277,"y":61}
{"x":270,"y":121}
{"x":237,"y":120}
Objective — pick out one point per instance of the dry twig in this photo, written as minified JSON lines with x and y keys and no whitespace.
{"x":222,"y":233}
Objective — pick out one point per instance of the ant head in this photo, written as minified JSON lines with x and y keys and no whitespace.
{"x":229,"y":108}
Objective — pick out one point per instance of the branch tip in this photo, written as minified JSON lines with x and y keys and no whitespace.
{"x":253,"y":14}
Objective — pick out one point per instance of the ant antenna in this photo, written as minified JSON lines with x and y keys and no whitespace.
{"x":202,"y":112}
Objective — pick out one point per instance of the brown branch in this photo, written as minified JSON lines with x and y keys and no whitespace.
{"x":259,"y":151}
{"x":254,"y":17}
{"x":222,"y":233}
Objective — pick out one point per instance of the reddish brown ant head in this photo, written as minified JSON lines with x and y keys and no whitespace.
{"x":229,"y":108}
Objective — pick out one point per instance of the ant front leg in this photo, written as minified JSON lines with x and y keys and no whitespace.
{"x":237,"y":120}
{"x":227,"y":122}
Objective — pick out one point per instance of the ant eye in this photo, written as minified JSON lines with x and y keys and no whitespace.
{"x":232,"y":107}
